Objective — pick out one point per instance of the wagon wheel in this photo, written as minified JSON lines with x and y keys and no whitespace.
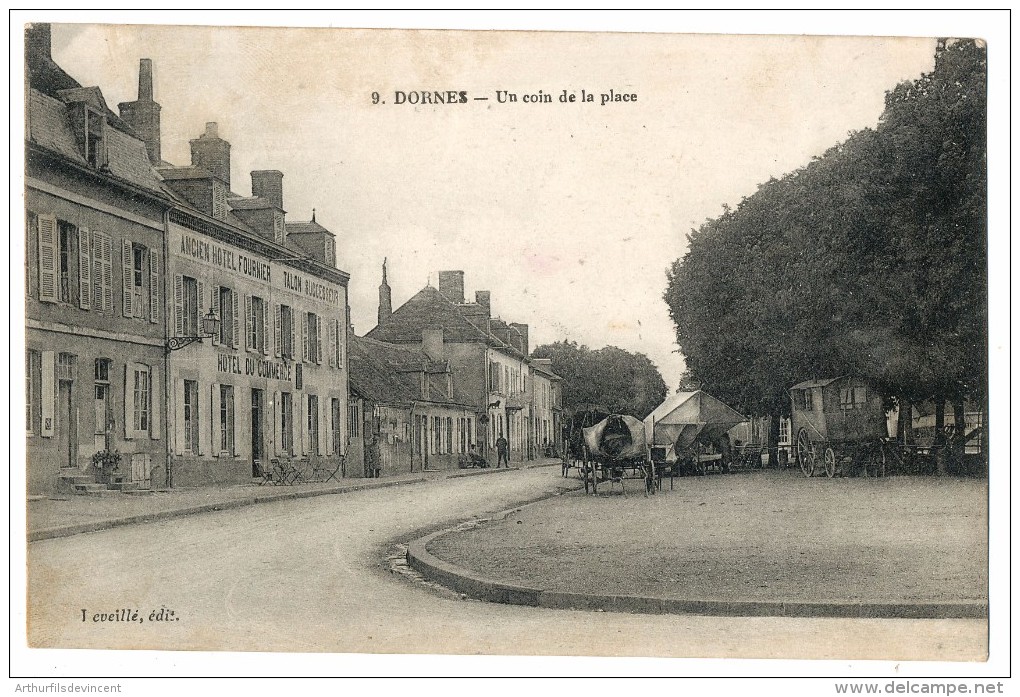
{"x":805,"y":453}
{"x":829,"y":459}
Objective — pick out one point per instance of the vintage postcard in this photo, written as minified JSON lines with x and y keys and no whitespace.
{"x":448,"y":342}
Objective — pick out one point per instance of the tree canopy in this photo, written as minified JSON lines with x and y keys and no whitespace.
{"x":611,"y":379}
{"x":870,"y":260}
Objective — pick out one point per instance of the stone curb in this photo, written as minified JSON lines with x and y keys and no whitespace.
{"x":95,"y":526}
{"x":476,"y":586}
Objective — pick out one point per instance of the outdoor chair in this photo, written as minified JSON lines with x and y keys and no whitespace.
{"x":265,"y":474}
{"x":283,"y":472}
{"x":327,"y":470}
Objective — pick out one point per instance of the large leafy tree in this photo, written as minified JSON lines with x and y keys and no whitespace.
{"x":869,"y":260}
{"x":609,"y":379}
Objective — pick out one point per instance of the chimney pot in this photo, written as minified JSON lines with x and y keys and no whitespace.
{"x":268,"y":184}
{"x":212,"y":130}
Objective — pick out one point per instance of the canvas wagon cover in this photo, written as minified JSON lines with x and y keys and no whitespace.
{"x":686,"y":415}
{"x":593,"y":437}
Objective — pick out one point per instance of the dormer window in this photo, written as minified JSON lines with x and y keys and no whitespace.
{"x":95,"y":143}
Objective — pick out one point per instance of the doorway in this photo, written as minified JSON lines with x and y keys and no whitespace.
{"x":258,"y":410}
{"x":66,"y":436}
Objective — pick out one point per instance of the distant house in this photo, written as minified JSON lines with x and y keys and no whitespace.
{"x":403,"y":415}
{"x":488,"y":357}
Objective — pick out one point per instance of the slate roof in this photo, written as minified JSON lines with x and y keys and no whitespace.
{"x":430,"y":309}
{"x":304,"y":228}
{"x":545,"y":370}
{"x":49,"y":127}
{"x":392,"y":373}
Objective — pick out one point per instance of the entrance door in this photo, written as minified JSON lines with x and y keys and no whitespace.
{"x":257,"y":437}
{"x":102,"y":417}
{"x":66,"y":436}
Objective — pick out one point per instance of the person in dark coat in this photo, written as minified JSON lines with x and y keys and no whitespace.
{"x":503,"y":452}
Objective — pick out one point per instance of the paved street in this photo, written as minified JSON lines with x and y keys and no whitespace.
{"x":308,"y":575}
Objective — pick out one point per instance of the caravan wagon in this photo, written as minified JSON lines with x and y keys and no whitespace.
{"x":839,"y":426}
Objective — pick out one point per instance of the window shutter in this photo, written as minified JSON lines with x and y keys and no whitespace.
{"x":265,"y":327}
{"x":203,"y":433}
{"x":323,"y":421}
{"x":98,"y":294}
{"x":338,"y":348}
{"x":295,"y":424}
{"x":278,"y":423}
{"x":179,"y":416}
{"x":48,"y":261}
{"x":304,"y":336}
{"x":237,"y":320}
{"x":295,"y":353}
{"x":48,"y":396}
{"x":107,"y":274}
{"x":215,"y":305}
{"x":126,"y":270}
{"x":178,"y":305}
{"x":277,"y":330}
{"x":332,"y":344}
{"x":248,"y":344}
{"x":156,"y":406}
{"x":129,"y":401}
{"x":214,"y":419}
{"x":318,"y":340}
{"x":84,"y":270}
{"x":327,"y":423}
{"x":153,"y":286}
{"x":303,"y":418}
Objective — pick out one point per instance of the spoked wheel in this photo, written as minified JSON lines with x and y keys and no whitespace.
{"x":829,"y":460}
{"x":805,"y":453}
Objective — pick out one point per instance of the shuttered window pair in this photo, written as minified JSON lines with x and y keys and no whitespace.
{"x":256,"y":323}
{"x":142,"y":402}
{"x":75,"y":266}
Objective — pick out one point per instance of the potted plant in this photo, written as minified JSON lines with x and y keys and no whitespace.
{"x":105,"y":463}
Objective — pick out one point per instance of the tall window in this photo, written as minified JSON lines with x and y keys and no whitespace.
{"x":313,"y":422}
{"x":189,"y":306}
{"x":67,"y":238}
{"x":102,"y":403}
{"x":142,"y":404}
{"x":190,"y":416}
{"x":139,"y":279}
{"x":257,"y":324}
{"x":286,"y":423}
{"x":313,"y":338}
{"x":353,"y":421}
{"x":286,"y":331}
{"x":226,"y":301}
{"x":226,"y":417}
{"x":94,"y":152}
{"x":784,"y":431}
{"x":449,"y":435}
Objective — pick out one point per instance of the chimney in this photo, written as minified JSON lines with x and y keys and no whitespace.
{"x":432,"y":343}
{"x":143,"y":115}
{"x":523,"y":329}
{"x":385,"y":299}
{"x":211,"y":152}
{"x":451,"y":285}
{"x":483,"y":298}
{"x":268,"y":184}
{"x":37,"y":43}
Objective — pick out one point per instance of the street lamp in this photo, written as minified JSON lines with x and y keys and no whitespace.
{"x":210,"y":327}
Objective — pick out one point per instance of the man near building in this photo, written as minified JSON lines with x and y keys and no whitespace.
{"x":502,"y":450}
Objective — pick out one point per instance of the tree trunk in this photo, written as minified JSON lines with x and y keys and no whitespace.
{"x":773,"y":440}
{"x":959,"y":439}
{"x":905,"y":422}
{"x":940,"y":435}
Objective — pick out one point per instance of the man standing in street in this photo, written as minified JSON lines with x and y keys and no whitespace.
{"x":503,"y":451}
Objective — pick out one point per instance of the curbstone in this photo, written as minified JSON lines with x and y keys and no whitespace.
{"x":476,"y":586}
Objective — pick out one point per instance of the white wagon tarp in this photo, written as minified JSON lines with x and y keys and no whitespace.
{"x":685,"y":416}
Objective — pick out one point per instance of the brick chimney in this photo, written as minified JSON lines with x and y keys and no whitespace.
{"x":483,"y":298}
{"x":211,"y":152}
{"x":37,"y":43}
{"x":451,"y":285}
{"x":523,"y":329}
{"x":143,"y":115}
{"x":268,"y":184}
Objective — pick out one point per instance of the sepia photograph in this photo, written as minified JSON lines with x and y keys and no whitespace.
{"x":509,"y":349}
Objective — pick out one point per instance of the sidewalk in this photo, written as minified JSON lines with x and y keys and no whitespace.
{"x":61,"y":516}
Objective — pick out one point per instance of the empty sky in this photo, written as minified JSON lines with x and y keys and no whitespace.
{"x":569,"y":213}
